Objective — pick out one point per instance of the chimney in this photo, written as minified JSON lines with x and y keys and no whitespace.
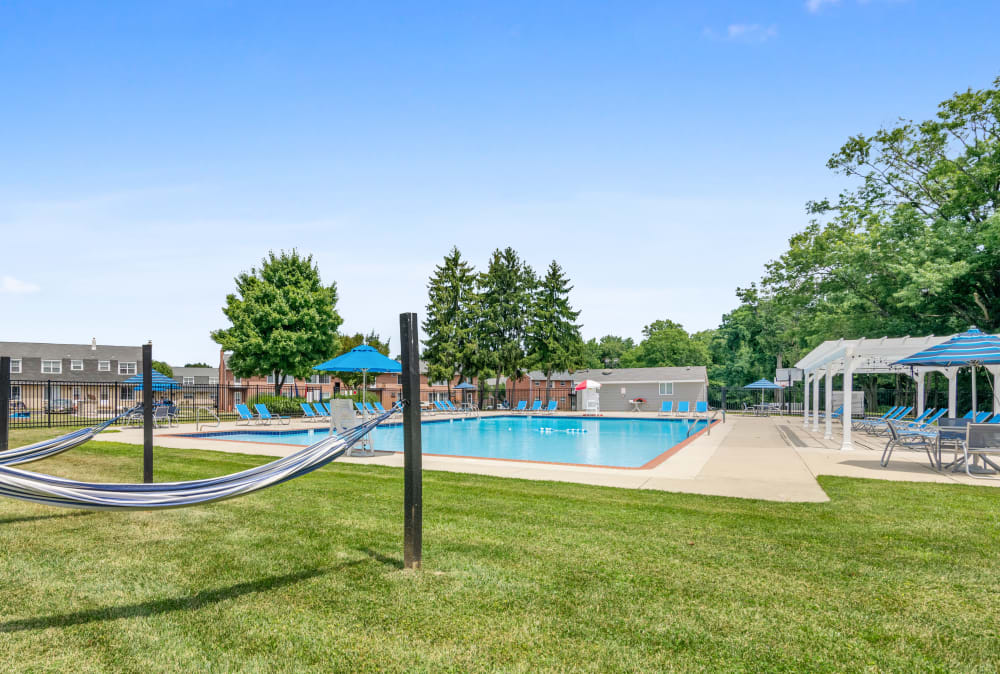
{"x":93,"y":343}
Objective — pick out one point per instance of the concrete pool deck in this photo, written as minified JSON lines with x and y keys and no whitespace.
{"x":773,"y":459}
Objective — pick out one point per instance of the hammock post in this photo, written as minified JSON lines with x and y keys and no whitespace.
{"x":147,"y":412}
{"x":4,"y":401}
{"x":412,"y":451}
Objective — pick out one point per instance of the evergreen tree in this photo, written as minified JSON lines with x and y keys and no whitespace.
{"x":553,"y":341}
{"x":505,"y":299}
{"x":283,"y":319}
{"x":450,"y":346}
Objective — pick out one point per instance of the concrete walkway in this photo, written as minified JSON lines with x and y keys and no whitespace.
{"x":774,"y":459}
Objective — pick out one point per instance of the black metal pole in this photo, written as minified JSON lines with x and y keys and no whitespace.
{"x":4,"y":401}
{"x":147,"y":412}
{"x":412,"y":452}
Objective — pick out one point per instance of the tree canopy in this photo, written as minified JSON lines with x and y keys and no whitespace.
{"x":552,"y":341}
{"x":506,"y":291}
{"x":162,"y":368}
{"x":283,"y":319}
{"x":451,"y":324}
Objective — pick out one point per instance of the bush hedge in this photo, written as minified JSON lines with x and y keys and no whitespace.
{"x":278,"y":404}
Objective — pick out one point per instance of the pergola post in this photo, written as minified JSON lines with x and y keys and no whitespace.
{"x":816,"y":402}
{"x":828,"y":426}
{"x":919,"y":375}
{"x":952,"y":374}
{"x":805,"y":400}
{"x":846,"y":444}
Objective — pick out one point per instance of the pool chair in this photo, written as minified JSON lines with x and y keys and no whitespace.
{"x":379,"y":408}
{"x":666,"y":408}
{"x":266,"y":417}
{"x":360,"y":408}
{"x":684,"y":407}
{"x":858,"y":423}
{"x":980,"y":440}
{"x":307,"y":412}
{"x":875,"y":425}
{"x":246,"y":416}
{"x":161,"y":415}
{"x":551,"y":409}
{"x":536,"y":406}
{"x":701,"y":408}
{"x":439,"y":406}
{"x":521,"y":406}
{"x":322,"y":409}
{"x":370,"y":410}
{"x":450,"y":406}
{"x":836,"y":414}
{"x":899,"y":436}
{"x":902,"y":423}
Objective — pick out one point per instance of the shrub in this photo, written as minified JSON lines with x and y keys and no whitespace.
{"x":278,"y":404}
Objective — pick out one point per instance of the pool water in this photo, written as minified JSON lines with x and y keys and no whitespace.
{"x":622,"y":443}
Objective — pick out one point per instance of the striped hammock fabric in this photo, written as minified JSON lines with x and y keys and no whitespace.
{"x":56,"y":491}
{"x":47,"y":448}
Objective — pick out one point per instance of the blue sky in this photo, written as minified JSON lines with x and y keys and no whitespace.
{"x":661,"y":152}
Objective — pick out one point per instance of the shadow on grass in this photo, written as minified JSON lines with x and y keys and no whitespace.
{"x":34,"y":518}
{"x":156,"y":607}
{"x":394,"y":562}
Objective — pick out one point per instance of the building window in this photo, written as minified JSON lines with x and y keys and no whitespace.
{"x":51,"y":367}
{"x":666,"y":388}
{"x":104,"y":366}
{"x":319,"y":379}
{"x":237,"y":381}
{"x":15,"y":392}
{"x":213,"y":380}
{"x":188,"y":396}
{"x":104,"y":395}
{"x":76,"y":366}
{"x":439,"y":383}
{"x":15,"y":366}
{"x":126,"y":368}
{"x":270,"y":379}
{"x":76,"y":394}
{"x":187,"y":381}
{"x":127,"y":393}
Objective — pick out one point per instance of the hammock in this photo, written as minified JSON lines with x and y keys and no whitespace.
{"x":47,"y":448}
{"x":56,"y":491}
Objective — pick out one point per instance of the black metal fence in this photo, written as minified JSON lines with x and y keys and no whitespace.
{"x":52,"y":403}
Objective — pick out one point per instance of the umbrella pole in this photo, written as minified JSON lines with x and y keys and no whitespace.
{"x":974,"y":410}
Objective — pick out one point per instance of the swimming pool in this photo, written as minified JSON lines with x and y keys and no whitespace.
{"x":618,"y":443}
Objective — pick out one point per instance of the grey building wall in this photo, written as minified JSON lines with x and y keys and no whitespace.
{"x":32,"y":354}
{"x":612,"y":399}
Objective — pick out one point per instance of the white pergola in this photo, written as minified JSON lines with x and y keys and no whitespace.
{"x":871,"y":356}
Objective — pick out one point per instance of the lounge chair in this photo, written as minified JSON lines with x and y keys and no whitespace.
{"x":266,"y":416}
{"x":982,"y":417}
{"x":857,"y":424}
{"x":379,"y":408}
{"x":161,"y":415}
{"x":360,"y":408}
{"x":551,"y":409}
{"x":536,"y":406}
{"x":370,"y":410}
{"x":246,"y":415}
{"x":876,"y":425}
{"x":900,"y":436}
{"x":683,"y":407}
{"x":450,"y":406}
{"x":322,"y":409}
{"x":521,"y":406}
{"x":880,"y":429}
{"x":439,"y":406}
{"x":836,"y":414}
{"x":667,"y":408}
{"x":307,"y":412}
{"x":701,"y":407}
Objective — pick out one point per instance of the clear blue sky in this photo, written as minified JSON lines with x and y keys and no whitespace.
{"x":661,"y":152}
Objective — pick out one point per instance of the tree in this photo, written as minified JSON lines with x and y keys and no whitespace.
{"x":450,"y":347}
{"x":163,"y":368}
{"x":197,"y":365}
{"x":666,"y":344}
{"x":608,"y":352}
{"x":348,"y":342}
{"x":553,"y":341}
{"x":283,"y":319}
{"x":505,"y":295}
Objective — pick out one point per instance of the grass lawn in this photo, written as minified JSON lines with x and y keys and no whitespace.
{"x":518,"y":575}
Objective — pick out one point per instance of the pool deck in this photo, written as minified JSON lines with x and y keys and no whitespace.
{"x":773,"y":459}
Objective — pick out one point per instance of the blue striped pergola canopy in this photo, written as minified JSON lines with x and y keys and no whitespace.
{"x":973,"y":347}
{"x":762,"y":384}
{"x":160,"y":381}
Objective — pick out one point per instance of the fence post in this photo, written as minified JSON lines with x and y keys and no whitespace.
{"x":48,"y":403}
{"x":147,"y":412}
{"x":412,"y":457}
{"x":4,"y":401}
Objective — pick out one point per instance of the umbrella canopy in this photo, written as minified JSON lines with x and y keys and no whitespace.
{"x":466,"y":386}
{"x":362,"y":358}
{"x":160,"y":382}
{"x":762,"y":384}
{"x":587,"y":384}
{"x":972,"y":347}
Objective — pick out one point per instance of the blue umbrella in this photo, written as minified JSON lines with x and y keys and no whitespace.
{"x":972,"y":347}
{"x":364,"y":359}
{"x":466,"y":386}
{"x":762,"y":385}
{"x":159,"y":381}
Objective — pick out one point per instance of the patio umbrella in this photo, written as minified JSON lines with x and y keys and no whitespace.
{"x":364,"y":359}
{"x":160,"y":382}
{"x":465,"y":386}
{"x":973,"y":348}
{"x":762,"y":385}
{"x":587,"y":384}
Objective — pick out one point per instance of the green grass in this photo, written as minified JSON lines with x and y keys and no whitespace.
{"x":518,"y":576}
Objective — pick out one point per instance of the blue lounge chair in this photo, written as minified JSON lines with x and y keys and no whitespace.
{"x":379,"y":408}
{"x":521,"y":406}
{"x":450,"y":406}
{"x":552,"y":407}
{"x":836,"y":414}
{"x":666,"y":408}
{"x":322,"y":408}
{"x":701,"y":407}
{"x":245,"y":414}
{"x":536,"y":406}
{"x":683,"y":407}
{"x":981,"y":417}
{"x":370,"y":410}
{"x":266,"y":416}
{"x":440,"y":406}
{"x":921,"y":423}
{"x":875,"y":425}
{"x":360,"y":408}
{"x":307,"y":412}
{"x":858,"y":424}
{"x":994,"y":420}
